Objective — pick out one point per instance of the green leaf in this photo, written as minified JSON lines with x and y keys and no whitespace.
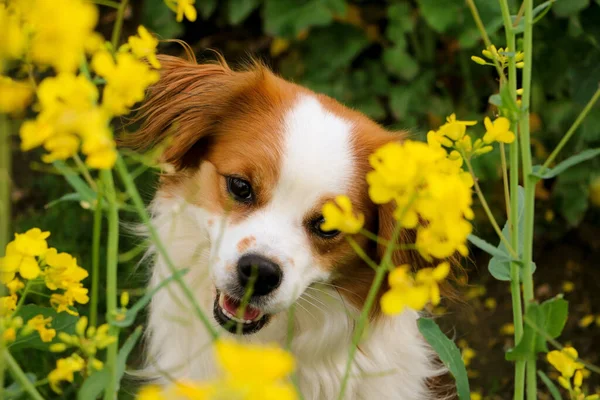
{"x":76,"y":197}
{"x":525,"y":349}
{"x":342,"y":44}
{"x":239,"y":10}
{"x":398,"y":62}
{"x":141,"y":303}
{"x":489,"y":248}
{"x":566,"y":8}
{"x":448,"y":353}
{"x":400,"y":22}
{"x":158,"y":18}
{"x":548,"y":318}
{"x":62,"y":322}
{"x":543,"y":173}
{"x":206,"y":7}
{"x":495,"y":100}
{"x":287,"y":18}
{"x":440,"y":14}
{"x":556,"y":311}
{"x":87,"y":193}
{"x":550,"y":385}
{"x":94,"y":385}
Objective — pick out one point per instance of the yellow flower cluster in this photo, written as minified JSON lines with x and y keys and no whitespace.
{"x":29,"y":256}
{"x":42,"y":326}
{"x":501,"y":55}
{"x":414,"y":292}
{"x":265,"y":380}
{"x":432,"y":194}
{"x":65,"y":370}
{"x":338,"y":215}
{"x":565,"y":361}
{"x":14,"y":95}
{"x":87,"y":340}
{"x":70,"y":117}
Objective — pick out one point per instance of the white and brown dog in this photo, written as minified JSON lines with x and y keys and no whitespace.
{"x":254,"y":158}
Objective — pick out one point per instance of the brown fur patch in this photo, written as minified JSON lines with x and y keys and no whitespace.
{"x":245,"y":243}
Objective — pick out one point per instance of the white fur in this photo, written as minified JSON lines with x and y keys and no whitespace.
{"x":393,"y":361}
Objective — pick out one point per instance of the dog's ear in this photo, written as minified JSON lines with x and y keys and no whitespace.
{"x":185,"y":105}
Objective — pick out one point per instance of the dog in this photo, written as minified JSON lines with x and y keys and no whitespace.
{"x":251,"y":160}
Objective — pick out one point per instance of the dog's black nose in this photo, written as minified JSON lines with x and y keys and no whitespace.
{"x":264,"y":272}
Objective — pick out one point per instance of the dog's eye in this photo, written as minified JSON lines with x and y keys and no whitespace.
{"x":316,"y":228}
{"x":240,"y":189}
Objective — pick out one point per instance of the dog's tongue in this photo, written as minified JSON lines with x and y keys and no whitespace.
{"x":232,"y":305}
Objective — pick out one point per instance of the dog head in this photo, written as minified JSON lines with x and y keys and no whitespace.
{"x":258,"y":157}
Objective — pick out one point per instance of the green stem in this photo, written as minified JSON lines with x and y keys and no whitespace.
{"x":361,"y":253}
{"x":529,"y":183}
{"x":379,"y":276}
{"x":83,"y":169}
{"x":380,"y":273}
{"x":143,"y":213}
{"x":513,"y":218}
{"x":488,"y":211}
{"x":20,"y":377}
{"x":96,"y":239}
{"x":112,"y":254}
{"x":5,"y":173}
{"x":116,"y":33}
{"x":573,"y":128}
{"x":23,"y":296}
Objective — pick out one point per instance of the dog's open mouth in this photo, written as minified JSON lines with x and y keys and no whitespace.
{"x":227,"y":313}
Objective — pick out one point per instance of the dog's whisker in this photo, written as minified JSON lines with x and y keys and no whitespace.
{"x":305,"y":309}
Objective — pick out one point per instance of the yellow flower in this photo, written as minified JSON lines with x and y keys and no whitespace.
{"x":498,"y":131}
{"x":55,"y":42}
{"x":467,"y":355}
{"x":264,"y":381}
{"x":15,"y":261}
{"x":15,"y":96}
{"x":65,"y":368}
{"x":32,"y":243}
{"x":144,"y":46}
{"x":9,"y":335}
{"x":476,"y":396}
{"x":430,"y":277}
{"x":68,"y":116}
{"x":339,"y":216}
{"x":565,"y":361}
{"x":12,"y":36}
{"x":586,"y":320}
{"x":455,"y":129}
{"x":63,"y":271}
{"x":269,"y":363}
{"x":415,"y":293}
{"x":41,"y":324}
{"x":507,"y":329}
{"x":183,"y":8}
{"x":403,"y":293}
{"x":8,"y":304}
{"x":60,"y":147}
{"x":15,"y":285}
{"x":126,"y":80}
{"x":479,"y":60}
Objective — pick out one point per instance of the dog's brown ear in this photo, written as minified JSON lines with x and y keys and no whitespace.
{"x":184,"y":106}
